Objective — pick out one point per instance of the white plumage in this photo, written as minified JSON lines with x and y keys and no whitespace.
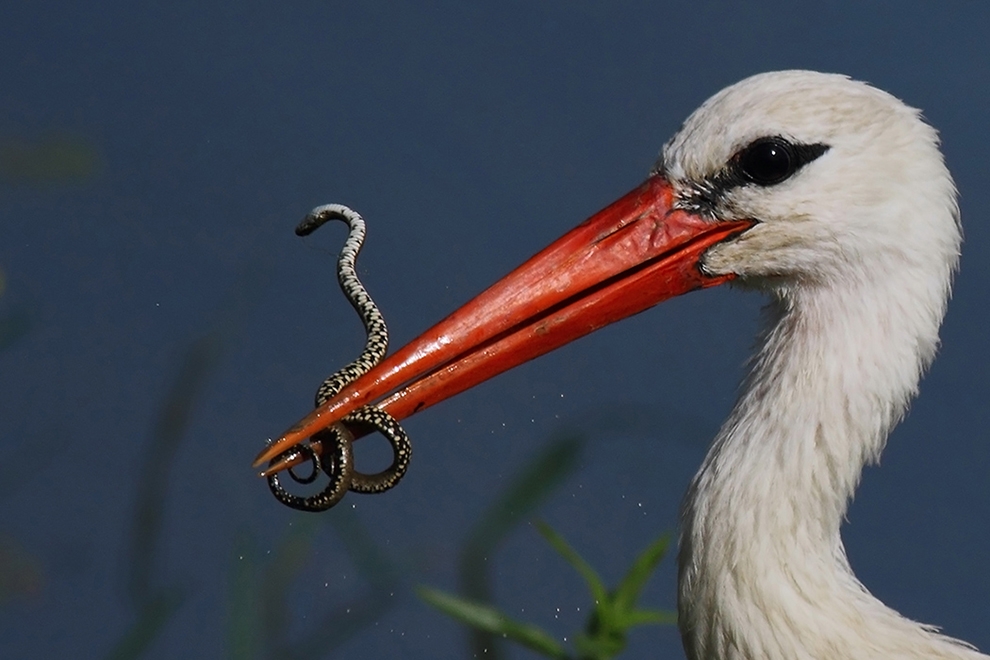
{"x":856,"y":252}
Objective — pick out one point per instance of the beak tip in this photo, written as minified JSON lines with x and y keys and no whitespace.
{"x":261,"y":458}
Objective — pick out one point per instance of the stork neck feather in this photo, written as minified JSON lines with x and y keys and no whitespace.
{"x":763,"y":572}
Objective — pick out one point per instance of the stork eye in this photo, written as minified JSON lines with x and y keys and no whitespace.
{"x":767,"y":161}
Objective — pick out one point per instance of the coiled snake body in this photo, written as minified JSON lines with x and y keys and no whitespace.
{"x":336,"y":441}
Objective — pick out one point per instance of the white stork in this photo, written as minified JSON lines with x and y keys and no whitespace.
{"x":831,"y":197}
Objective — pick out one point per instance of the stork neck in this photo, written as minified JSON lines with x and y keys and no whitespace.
{"x":836,"y":370}
{"x":763,"y":572}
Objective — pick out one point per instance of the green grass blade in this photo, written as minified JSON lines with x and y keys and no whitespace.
{"x":595,"y":584}
{"x":489,"y":619}
{"x":649,"y":618}
{"x":599,"y":647}
{"x":639,"y":573}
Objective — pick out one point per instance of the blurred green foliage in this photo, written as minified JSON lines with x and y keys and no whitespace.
{"x":155,"y":604}
{"x":57,"y":158}
{"x":21,"y":574}
{"x":15,"y":323}
{"x":544,"y":474}
{"x":613,"y":613}
{"x":258,"y":606}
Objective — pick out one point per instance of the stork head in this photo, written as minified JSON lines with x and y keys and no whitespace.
{"x":845,"y":182}
{"x":785,"y":181}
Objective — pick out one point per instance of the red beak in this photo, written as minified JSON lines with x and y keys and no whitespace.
{"x":637,"y":252}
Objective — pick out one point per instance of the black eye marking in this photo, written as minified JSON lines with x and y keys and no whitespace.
{"x":764,"y":162}
{"x":772,"y":160}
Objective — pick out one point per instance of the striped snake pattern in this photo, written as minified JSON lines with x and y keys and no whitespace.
{"x":336,"y":458}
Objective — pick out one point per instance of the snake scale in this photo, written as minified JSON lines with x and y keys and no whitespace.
{"x":336,"y":457}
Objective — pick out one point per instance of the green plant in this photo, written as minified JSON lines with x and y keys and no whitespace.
{"x":614,"y":612}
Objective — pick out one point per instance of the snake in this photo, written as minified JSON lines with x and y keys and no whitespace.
{"x":336,"y":459}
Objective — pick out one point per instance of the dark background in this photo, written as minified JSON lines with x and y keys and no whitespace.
{"x":154,"y":159}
